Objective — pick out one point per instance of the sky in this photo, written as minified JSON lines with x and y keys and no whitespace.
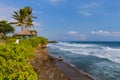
{"x":70,"y":20}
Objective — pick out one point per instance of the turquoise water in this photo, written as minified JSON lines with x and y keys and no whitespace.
{"x":99,"y":59}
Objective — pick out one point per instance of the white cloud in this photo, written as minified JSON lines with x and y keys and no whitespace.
{"x":55,"y":1}
{"x":85,"y":13}
{"x":90,"y":5}
{"x":100,"y":32}
{"x":76,"y":36}
{"x":73,"y":33}
{"x":105,"y":33}
{"x":86,"y":9}
{"x":6,"y":12}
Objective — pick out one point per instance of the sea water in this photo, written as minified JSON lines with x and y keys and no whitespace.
{"x":99,"y":59}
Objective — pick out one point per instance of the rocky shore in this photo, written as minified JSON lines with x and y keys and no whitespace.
{"x":45,"y":66}
{"x":50,"y":68}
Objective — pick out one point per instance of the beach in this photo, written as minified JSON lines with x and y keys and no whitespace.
{"x":48,"y":67}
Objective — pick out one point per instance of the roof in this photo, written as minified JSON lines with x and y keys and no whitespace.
{"x":25,"y":32}
{"x":33,"y":33}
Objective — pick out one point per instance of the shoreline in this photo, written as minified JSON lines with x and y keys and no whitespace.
{"x":45,"y":67}
{"x":71,"y":71}
{"x":49,"y":67}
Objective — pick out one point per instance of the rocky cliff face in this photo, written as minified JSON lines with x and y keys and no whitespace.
{"x":44,"y":66}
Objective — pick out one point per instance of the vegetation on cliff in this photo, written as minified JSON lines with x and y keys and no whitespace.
{"x":14,"y":59}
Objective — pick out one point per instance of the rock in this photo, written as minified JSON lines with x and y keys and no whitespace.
{"x":44,"y":66}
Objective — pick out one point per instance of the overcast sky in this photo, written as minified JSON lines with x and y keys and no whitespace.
{"x":78,"y":20}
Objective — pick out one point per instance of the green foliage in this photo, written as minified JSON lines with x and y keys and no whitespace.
{"x":38,"y":40}
{"x":5,"y":27}
{"x":24,"y":17}
{"x":43,"y":40}
{"x":10,"y":40}
{"x":35,"y":41}
{"x":13,"y":61}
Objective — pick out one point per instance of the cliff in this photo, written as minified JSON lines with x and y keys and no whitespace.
{"x":50,"y":68}
{"x":45,"y":66}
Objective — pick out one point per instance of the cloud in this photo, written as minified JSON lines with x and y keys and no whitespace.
{"x":85,"y":13}
{"x":56,"y":1}
{"x":86,"y":9}
{"x":75,"y":35}
{"x":6,"y":12}
{"x":105,"y":33}
{"x":90,"y":5}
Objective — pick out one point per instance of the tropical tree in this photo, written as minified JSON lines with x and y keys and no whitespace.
{"x":5,"y":27}
{"x":19,"y":16}
{"x":24,"y":17}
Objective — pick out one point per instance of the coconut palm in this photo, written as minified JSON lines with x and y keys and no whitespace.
{"x":29,"y":17}
{"x":24,"y":17}
{"x":19,"y":16}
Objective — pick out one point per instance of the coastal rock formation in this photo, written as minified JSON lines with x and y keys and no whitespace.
{"x":44,"y":66}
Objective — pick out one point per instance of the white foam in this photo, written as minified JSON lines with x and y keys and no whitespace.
{"x":112,"y":54}
{"x":76,"y":45}
{"x":111,"y":49}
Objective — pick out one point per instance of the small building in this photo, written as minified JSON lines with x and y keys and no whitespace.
{"x":26,"y":34}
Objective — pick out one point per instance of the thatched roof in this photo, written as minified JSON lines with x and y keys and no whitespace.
{"x":33,"y":33}
{"x":26,"y":32}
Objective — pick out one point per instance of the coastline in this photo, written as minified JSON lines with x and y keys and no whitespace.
{"x":49,"y":67}
{"x":45,"y":66}
{"x":71,"y":71}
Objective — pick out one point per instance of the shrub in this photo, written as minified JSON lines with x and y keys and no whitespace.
{"x":13,"y":61}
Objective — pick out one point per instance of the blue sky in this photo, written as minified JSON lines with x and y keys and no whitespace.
{"x":81,"y":20}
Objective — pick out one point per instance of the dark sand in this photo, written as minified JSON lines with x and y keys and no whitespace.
{"x":72,"y":72}
{"x":44,"y":63}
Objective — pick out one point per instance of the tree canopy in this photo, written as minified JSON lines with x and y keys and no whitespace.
{"x":5,"y":27}
{"x":24,"y":17}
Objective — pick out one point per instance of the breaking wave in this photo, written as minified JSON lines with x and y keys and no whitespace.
{"x":100,"y":51}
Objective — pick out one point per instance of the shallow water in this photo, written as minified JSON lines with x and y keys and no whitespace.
{"x":99,"y":59}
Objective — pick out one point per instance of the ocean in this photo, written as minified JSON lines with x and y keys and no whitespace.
{"x":99,"y":59}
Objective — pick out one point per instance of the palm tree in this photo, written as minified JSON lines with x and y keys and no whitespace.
{"x":29,"y":18}
{"x":24,"y":17}
{"x":19,"y":16}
